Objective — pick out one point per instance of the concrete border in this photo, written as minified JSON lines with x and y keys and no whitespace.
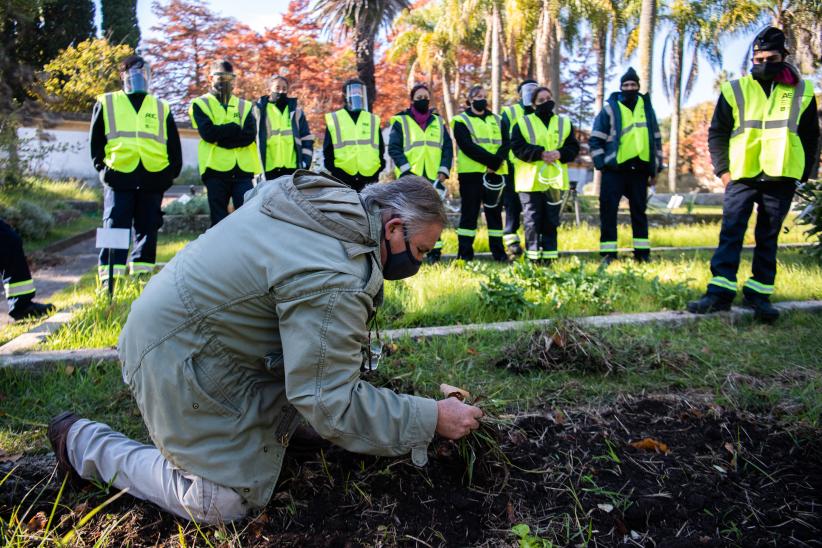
{"x":37,"y":360}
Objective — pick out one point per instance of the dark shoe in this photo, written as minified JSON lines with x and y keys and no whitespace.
{"x":762,"y":308}
{"x":710,"y":302}
{"x":58,"y":435}
{"x":642,"y":258}
{"x":608,"y":259}
{"x":433,"y":257}
{"x":514,"y":250}
{"x":33,"y":310}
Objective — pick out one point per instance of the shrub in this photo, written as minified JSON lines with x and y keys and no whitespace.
{"x":198,"y":205}
{"x":29,"y":219}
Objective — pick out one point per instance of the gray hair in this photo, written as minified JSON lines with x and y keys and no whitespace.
{"x":411,"y":198}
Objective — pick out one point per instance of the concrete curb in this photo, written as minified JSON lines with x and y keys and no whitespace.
{"x":39,"y":360}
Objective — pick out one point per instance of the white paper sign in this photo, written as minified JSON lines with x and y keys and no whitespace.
{"x":184,"y":199}
{"x":113,"y":238}
{"x":675,"y":201}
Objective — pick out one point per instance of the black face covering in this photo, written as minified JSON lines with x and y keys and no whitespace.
{"x":480,"y":105}
{"x":400,"y":265}
{"x":421,"y":105}
{"x":544,"y":108}
{"x":767,"y":71}
{"x":280,"y":99}
{"x":629,"y":96}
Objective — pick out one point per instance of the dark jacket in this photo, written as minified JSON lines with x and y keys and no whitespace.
{"x":722,"y":123}
{"x":527,"y":152}
{"x":471,"y":149}
{"x":303,"y":140}
{"x":605,"y":135}
{"x":229,"y":135}
{"x":356,"y":181}
{"x":140,"y":178}
{"x":396,"y":145}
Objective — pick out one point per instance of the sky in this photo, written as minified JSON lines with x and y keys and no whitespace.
{"x":261,"y":14}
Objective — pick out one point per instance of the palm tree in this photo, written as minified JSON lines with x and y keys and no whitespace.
{"x":548,"y":45}
{"x":361,"y":20}
{"x":647,"y":27}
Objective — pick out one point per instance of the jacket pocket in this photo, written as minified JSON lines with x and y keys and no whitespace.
{"x":204,"y":396}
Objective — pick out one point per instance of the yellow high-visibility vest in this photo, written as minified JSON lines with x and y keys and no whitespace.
{"x":422,"y":149}
{"x":135,"y":136}
{"x":279,"y":145}
{"x":487,"y":133}
{"x":550,"y":138}
{"x":213,"y":156}
{"x":764,"y":136}
{"x":633,"y":139}
{"x":356,"y":146}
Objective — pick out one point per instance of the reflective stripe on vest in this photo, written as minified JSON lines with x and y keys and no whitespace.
{"x":764,"y":136}
{"x":356,"y":145}
{"x":515,"y":113}
{"x":213,"y":156}
{"x":485,"y":132}
{"x":279,"y":137}
{"x":135,"y":136}
{"x":550,"y":138}
{"x":422,"y":149}
{"x":633,"y":138}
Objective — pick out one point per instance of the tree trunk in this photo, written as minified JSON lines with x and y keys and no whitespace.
{"x":486,"y":47}
{"x":555,"y":57}
{"x":673,"y":143}
{"x":647,"y":25}
{"x":412,"y":79}
{"x":496,"y":75}
{"x":541,"y":45}
{"x":600,"y":36}
{"x":446,"y":96}
{"x":363,"y":44}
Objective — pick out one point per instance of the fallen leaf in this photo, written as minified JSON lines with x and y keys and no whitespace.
{"x":472,"y":351}
{"x":557,"y":416}
{"x":650,"y":444}
{"x":509,"y":511}
{"x":69,"y":370}
{"x":38,"y":522}
{"x":608,"y":508}
{"x":620,"y":526}
{"x":5,"y":457}
{"x":730,"y":448}
{"x":720,"y":469}
{"x":558,"y":339}
{"x":452,"y":391}
{"x":390,"y":348}
{"x":81,"y":508}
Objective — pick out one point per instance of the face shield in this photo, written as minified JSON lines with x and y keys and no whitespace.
{"x":527,"y":94}
{"x":223,"y":84}
{"x":137,"y":79}
{"x":356,"y":97}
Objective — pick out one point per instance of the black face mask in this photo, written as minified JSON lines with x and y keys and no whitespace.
{"x":421,"y":105}
{"x":280,"y":99}
{"x":480,"y":105}
{"x":767,"y":71}
{"x":544,"y":108}
{"x":630,"y":95}
{"x":400,"y":265}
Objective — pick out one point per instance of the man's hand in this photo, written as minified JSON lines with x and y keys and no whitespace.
{"x":456,"y":419}
{"x":726,"y":178}
{"x":550,"y":156}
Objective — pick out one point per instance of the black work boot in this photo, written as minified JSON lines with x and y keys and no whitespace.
{"x":59,"y":427}
{"x":710,"y":302}
{"x":514,"y":251}
{"x":31,"y":311}
{"x":642,"y":258}
{"x":762,"y":308}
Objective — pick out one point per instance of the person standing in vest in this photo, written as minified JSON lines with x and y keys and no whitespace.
{"x":482,"y":141}
{"x":285,"y":142}
{"x":353,"y":147}
{"x":763,"y":139}
{"x":626,"y":146}
{"x":510,"y":199}
{"x":419,"y":144}
{"x":227,"y":152}
{"x":135,"y":147}
{"x":543,"y":143}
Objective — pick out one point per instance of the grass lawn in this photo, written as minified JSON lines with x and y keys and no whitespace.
{"x":54,"y":197}
{"x":740,"y":406}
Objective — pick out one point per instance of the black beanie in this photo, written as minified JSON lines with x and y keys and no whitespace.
{"x":629,"y":76}
{"x":131,"y":61}
{"x":770,"y":39}
{"x":221,"y":66}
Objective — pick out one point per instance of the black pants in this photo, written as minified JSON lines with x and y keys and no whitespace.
{"x":14,"y":270}
{"x":541,"y":220}
{"x":471,"y":192}
{"x":141,"y":211}
{"x":223,"y":189}
{"x":773,"y":200}
{"x":279,"y":172}
{"x":513,"y":209}
{"x":634,"y":186}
